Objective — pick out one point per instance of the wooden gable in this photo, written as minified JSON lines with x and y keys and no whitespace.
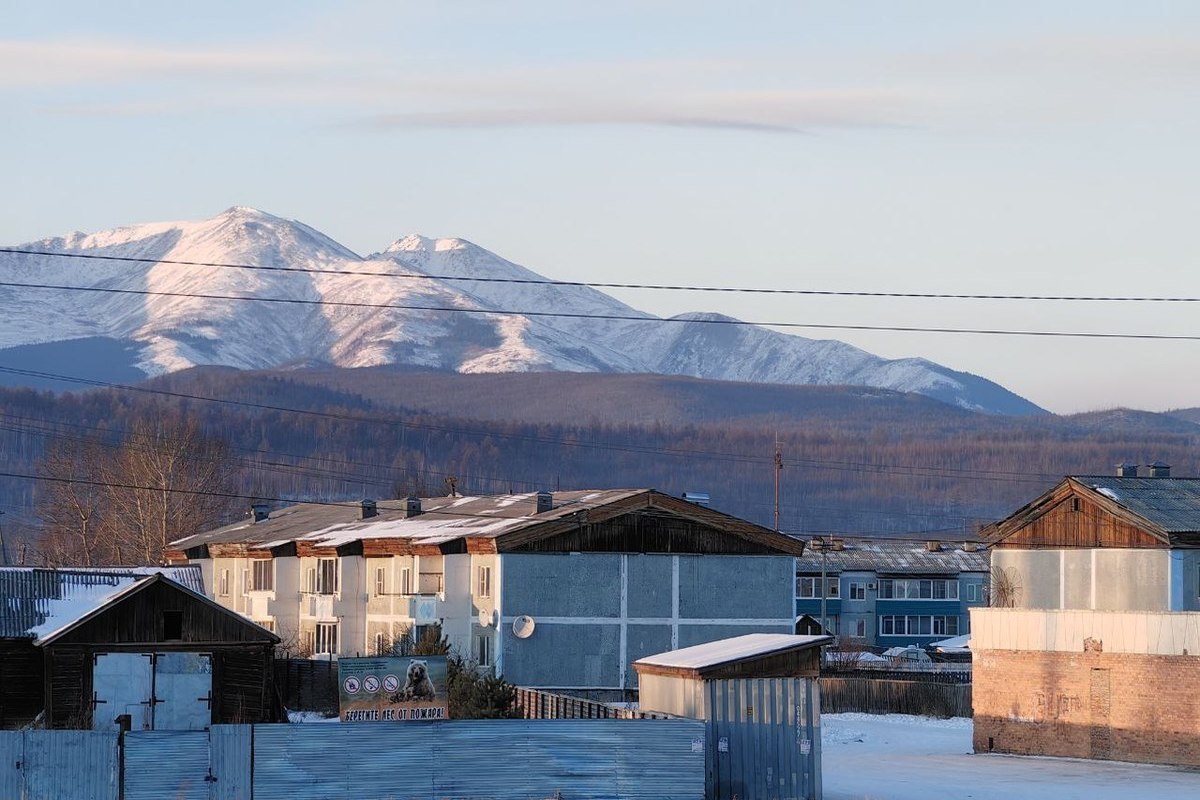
{"x":1072,"y":515}
{"x":141,"y":618}
{"x":649,"y":523}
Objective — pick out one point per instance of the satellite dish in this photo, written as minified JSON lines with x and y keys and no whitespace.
{"x":523,"y":627}
{"x":485,"y":618}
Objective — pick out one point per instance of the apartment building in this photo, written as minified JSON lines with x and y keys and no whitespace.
{"x":556,"y":591}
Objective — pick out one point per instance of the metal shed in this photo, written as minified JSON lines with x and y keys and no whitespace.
{"x":760,"y":697}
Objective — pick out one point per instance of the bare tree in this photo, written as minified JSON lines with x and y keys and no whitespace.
{"x":123,"y":504}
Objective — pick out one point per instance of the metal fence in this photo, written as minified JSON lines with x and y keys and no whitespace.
{"x":878,"y":696}
{"x":59,"y":765}
{"x":461,"y":759}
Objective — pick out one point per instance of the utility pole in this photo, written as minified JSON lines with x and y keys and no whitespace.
{"x":824,"y":584}
{"x":778,"y":469}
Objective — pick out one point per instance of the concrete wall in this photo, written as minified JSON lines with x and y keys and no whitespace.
{"x":597,"y":613}
{"x":1101,"y":579}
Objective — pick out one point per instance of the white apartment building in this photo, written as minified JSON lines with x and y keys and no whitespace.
{"x":561,"y":591}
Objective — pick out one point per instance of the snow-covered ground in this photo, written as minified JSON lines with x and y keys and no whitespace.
{"x":898,"y":757}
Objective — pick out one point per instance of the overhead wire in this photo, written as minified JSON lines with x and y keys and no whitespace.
{"x":688,"y":319}
{"x":602,"y":284}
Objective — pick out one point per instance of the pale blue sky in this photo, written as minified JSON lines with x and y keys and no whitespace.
{"x":920,"y":146}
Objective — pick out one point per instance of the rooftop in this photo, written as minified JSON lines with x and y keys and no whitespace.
{"x":895,"y":557}
{"x":447,"y":519}
{"x":38,"y":603}
{"x":1171,"y":503}
{"x":730,"y":651}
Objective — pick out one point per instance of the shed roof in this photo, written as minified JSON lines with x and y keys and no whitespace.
{"x":703,"y":657}
{"x":447,"y":519}
{"x":42,"y":604}
{"x":896,"y":558}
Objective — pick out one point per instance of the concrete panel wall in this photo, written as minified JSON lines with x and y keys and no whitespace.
{"x":1131,"y":580}
{"x":552,"y":585}
{"x":642,"y":641}
{"x":1077,"y":570}
{"x":565,"y":655}
{"x":734,"y":587}
{"x":650,"y":585}
{"x":700,"y":634}
{"x":1036,"y":573}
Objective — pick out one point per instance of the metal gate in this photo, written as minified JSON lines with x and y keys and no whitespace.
{"x":159,"y":691}
{"x":763,"y":739}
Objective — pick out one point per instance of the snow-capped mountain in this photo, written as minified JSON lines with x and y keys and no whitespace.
{"x":159,"y":315}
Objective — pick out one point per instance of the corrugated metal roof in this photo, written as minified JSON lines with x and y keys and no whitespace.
{"x":1171,"y":503}
{"x":895,"y":558}
{"x":729,"y":651}
{"x":37,"y":602}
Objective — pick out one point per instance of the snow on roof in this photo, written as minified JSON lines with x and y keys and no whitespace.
{"x":726,"y":651}
{"x":39,"y":603}
{"x":953,"y":643}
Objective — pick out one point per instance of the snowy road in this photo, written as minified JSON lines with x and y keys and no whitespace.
{"x":898,"y":757}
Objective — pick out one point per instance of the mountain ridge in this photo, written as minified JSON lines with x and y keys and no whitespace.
{"x":321,"y":324}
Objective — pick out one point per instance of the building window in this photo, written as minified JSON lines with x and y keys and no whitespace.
{"x":808,"y":587}
{"x":262,"y":578}
{"x":974,"y":592}
{"x":860,"y":629}
{"x":485,"y":583}
{"x":918,"y":589}
{"x":858,"y":591}
{"x":326,"y":639}
{"x":327,"y":576}
{"x":406,"y":580}
{"x":483,"y":649}
{"x":380,"y":645}
{"x":380,"y":582}
{"x":918,"y":625}
{"x":245,"y":580}
{"x":223,"y":583}
{"x":269,"y":624}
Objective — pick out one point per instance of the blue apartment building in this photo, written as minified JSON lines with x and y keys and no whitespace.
{"x":890,"y":593}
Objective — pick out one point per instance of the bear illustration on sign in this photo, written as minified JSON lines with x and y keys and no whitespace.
{"x":418,"y":686}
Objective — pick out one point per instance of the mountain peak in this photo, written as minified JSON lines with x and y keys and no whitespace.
{"x":416,"y":243}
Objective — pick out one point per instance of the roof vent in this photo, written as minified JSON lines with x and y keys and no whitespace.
{"x":933,"y":546}
{"x":838,"y":545}
{"x":412,"y":507}
{"x":545,"y":502}
{"x":970,"y":547}
{"x":260,"y":511}
{"x":1127,"y":470}
{"x":369,"y":509}
{"x":699,"y":498}
{"x":1160,"y":470}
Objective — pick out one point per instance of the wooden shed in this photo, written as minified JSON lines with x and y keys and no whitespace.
{"x":761,"y":699}
{"x":84,"y":648}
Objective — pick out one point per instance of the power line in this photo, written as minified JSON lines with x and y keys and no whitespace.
{"x":704,"y":320}
{"x":608,"y":285}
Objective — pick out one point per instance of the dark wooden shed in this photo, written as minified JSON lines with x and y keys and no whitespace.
{"x":100,"y":646}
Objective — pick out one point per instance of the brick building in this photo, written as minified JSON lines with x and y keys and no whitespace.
{"x":1096,"y":652}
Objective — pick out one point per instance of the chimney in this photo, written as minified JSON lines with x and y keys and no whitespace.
{"x":369,"y":509}
{"x":412,"y":507}
{"x":1127,"y":470}
{"x":545,"y":502}
{"x":933,"y":546}
{"x":260,"y":511}
{"x":1160,"y":470}
{"x":839,"y":545}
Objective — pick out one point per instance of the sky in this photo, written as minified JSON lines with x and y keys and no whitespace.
{"x":927,"y":147}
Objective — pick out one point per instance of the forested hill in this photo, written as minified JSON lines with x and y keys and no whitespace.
{"x":857,"y":461}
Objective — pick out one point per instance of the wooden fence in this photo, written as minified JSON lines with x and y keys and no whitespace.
{"x":876,"y":696}
{"x":536,"y":704}
{"x":307,"y":685}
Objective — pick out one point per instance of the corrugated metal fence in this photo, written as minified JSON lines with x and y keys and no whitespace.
{"x":765,"y":739}
{"x":460,"y":759}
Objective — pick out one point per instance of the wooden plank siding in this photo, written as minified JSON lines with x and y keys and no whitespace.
{"x":799,"y":663}
{"x":1073,"y":516}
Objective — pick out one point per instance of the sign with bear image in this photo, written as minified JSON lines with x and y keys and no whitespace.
{"x":393,"y":689}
